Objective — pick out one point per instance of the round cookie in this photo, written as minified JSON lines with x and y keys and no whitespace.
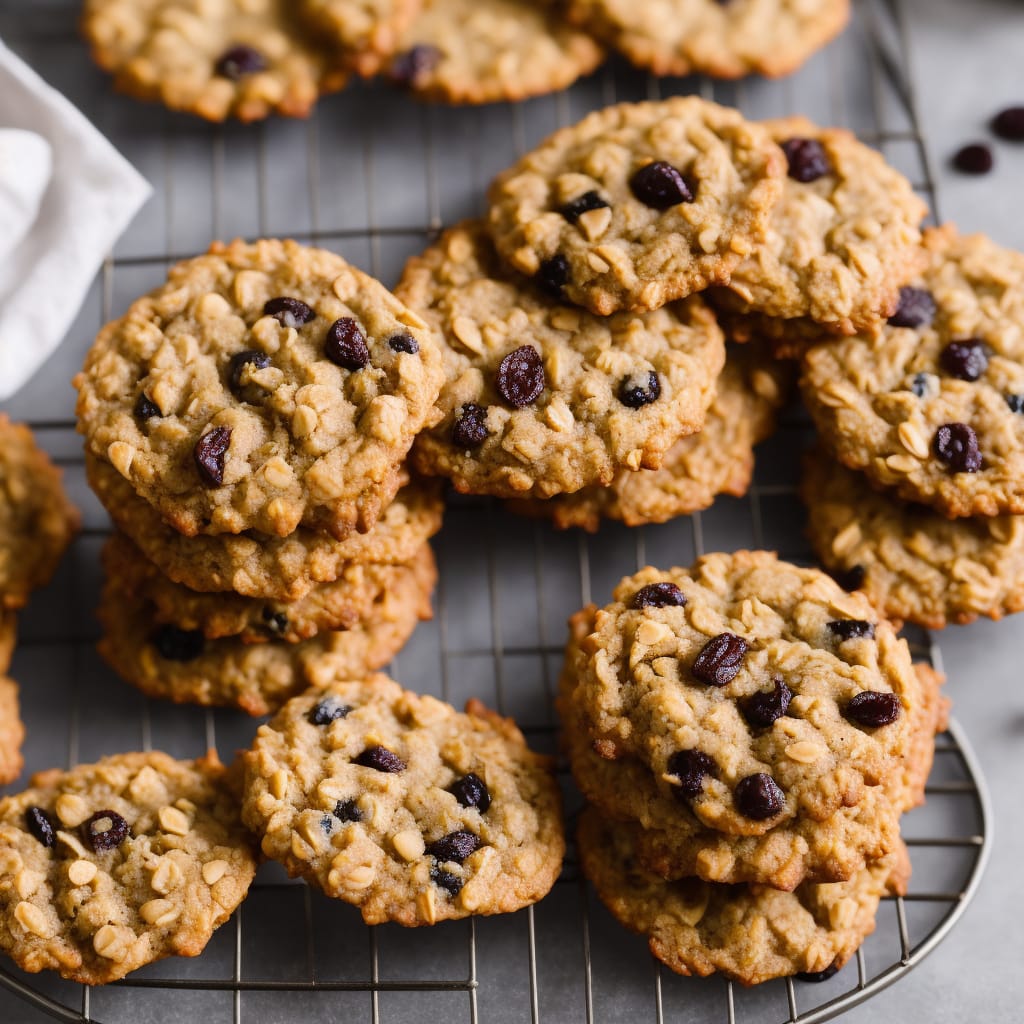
{"x":639,"y":203}
{"x":722,"y":39}
{"x":37,"y":522}
{"x":749,"y":934}
{"x":365,"y":32}
{"x":263,"y":386}
{"x":110,"y":866}
{"x":258,"y":566}
{"x":927,"y":405}
{"x":400,"y":805}
{"x":842,"y":239}
{"x":12,"y":731}
{"x":542,"y":398}
{"x":760,"y":692}
{"x":341,"y":604}
{"x":914,"y":564}
{"x":717,"y":460}
{"x":183,"y":666}
{"x":489,"y":51}
{"x":231,"y":58}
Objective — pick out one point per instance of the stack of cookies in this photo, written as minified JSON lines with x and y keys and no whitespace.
{"x":37,"y":523}
{"x":748,"y":734}
{"x":246,"y":427}
{"x":917,"y":492}
{"x":251,"y":58}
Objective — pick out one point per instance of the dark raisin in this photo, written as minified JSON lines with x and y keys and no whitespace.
{"x":175,"y":644}
{"x":582,"y":204}
{"x":759,"y":797}
{"x":345,"y":344}
{"x":660,"y":186}
{"x":553,"y":276}
{"x":916,"y":308}
{"x":277,"y":622}
{"x":873,"y":709}
{"x":520,"y":376}
{"x":239,"y":61}
{"x":956,"y":445}
{"x":471,"y":791}
{"x":815,"y":976}
{"x":1015,"y":402}
{"x":659,"y":595}
{"x":456,"y":846}
{"x":720,"y":659}
{"x":921,"y":384}
{"x":411,"y":67}
{"x":470,"y":427}
{"x":289,"y":312}
{"x":105,"y":830}
{"x":327,"y":823}
{"x":638,"y":390}
{"x":762,"y":709}
{"x":807,"y":159}
{"x":974,"y":159}
{"x":347,"y":810}
{"x":146,"y":408}
{"x":1009,"y":124}
{"x":690,"y":767}
{"x":381,"y":759}
{"x":209,"y":454}
{"x":247,"y":390}
{"x":852,"y":629}
{"x":329,"y":709}
{"x":451,"y":884}
{"x":40,"y":826}
{"x":403,"y":343}
{"x":852,"y":578}
{"x":965,"y":360}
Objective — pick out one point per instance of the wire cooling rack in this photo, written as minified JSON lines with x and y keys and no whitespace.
{"x":373,"y":175}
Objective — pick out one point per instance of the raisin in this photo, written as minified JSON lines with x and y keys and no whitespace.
{"x":873,"y":709}
{"x":965,"y":360}
{"x":327,"y":823}
{"x":956,"y":445}
{"x":248,"y":391}
{"x":582,"y":204}
{"x":520,"y":377}
{"x":239,"y":61}
{"x":1009,"y":124}
{"x":277,"y":622}
{"x":852,"y":629}
{"x":1015,"y":402}
{"x":345,"y":345}
{"x":40,"y":826}
{"x":762,"y":710}
{"x":553,"y":276}
{"x":381,"y":759}
{"x":921,"y":384}
{"x":638,"y":391}
{"x":974,"y":159}
{"x":411,"y":67}
{"x":451,"y":884}
{"x":759,"y":797}
{"x":659,"y":595}
{"x":852,"y":578}
{"x":807,"y":159}
{"x":456,"y":846}
{"x":347,"y":810}
{"x":690,"y":767}
{"x":403,"y":342}
{"x":289,"y":312}
{"x":329,"y":709}
{"x":470,"y":427}
{"x":175,"y":644}
{"x":720,"y":659}
{"x":916,"y":308}
{"x":105,"y":830}
{"x":816,"y":976}
{"x":660,"y":186}
{"x":471,"y":791}
{"x":146,"y":408}
{"x":209,"y":454}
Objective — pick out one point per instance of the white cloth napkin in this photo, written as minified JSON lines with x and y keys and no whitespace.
{"x":70,"y":209}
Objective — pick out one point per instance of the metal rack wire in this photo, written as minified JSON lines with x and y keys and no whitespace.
{"x":374,"y":175}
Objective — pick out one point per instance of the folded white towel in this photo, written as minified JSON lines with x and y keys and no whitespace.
{"x":75,"y":205}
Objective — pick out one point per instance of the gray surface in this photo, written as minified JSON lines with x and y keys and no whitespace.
{"x":357,"y":167}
